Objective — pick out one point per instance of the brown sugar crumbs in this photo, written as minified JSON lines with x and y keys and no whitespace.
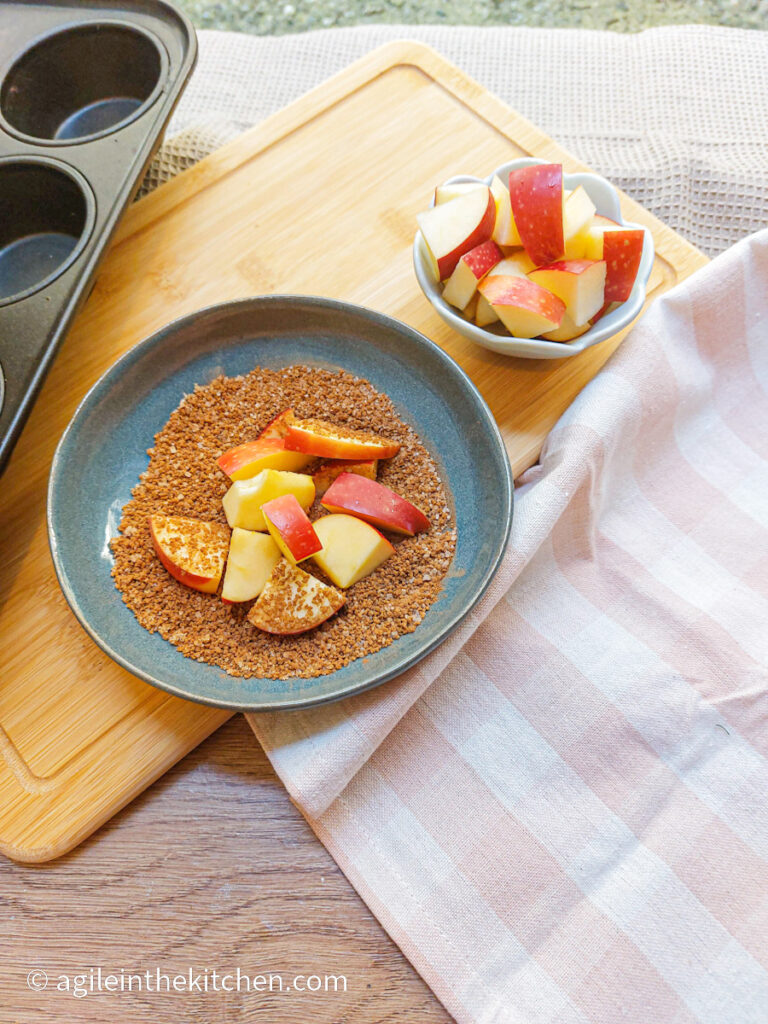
{"x":182,"y":479}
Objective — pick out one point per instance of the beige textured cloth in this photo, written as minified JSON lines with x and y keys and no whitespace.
{"x":675,"y":116}
{"x":560,"y":814}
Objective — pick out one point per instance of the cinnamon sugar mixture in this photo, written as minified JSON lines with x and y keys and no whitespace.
{"x":182,"y":479}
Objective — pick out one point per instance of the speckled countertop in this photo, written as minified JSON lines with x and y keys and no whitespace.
{"x":275,"y":17}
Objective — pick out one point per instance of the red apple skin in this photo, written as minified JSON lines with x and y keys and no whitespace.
{"x":568,"y":266}
{"x":278,"y":427}
{"x":290,"y":521}
{"x":536,"y":194}
{"x":375,"y":503}
{"x":622,"y":252}
{"x":242,"y":454}
{"x":525,"y":293}
{"x":483,"y":258}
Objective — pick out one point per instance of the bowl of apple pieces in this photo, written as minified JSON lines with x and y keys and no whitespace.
{"x":532,"y":261}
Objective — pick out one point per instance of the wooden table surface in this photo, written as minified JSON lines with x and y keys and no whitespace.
{"x":212,"y":868}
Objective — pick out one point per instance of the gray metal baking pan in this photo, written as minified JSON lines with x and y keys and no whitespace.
{"x":86,"y":91}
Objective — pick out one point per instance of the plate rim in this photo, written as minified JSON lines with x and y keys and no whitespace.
{"x":132,"y":355}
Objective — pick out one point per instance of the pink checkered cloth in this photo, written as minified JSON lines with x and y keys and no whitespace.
{"x":561,"y":815}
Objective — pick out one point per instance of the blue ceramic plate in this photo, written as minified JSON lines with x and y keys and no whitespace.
{"x":103,"y":451}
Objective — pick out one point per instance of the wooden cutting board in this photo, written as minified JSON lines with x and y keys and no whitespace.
{"x":320,"y":199}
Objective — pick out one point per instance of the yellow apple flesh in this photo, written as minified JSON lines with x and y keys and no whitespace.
{"x":243,"y":501}
{"x":352,"y":549}
{"x":578,"y":211}
{"x":579,"y":283}
{"x":504,"y":230}
{"x":252,"y":557}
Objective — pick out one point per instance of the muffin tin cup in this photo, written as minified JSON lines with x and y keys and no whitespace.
{"x":86,"y":92}
{"x":82,"y":82}
{"x":47,"y":212}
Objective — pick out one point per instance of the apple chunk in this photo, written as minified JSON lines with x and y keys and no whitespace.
{"x":316,"y":437}
{"x":278,"y":427}
{"x":246,"y":460}
{"x":455,"y":227}
{"x":504,"y":229}
{"x":471,"y":268}
{"x":244,"y":499}
{"x":290,"y":528}
{"x":193,"y":551}
{"x":293,"y":601}
{"x":578,"y":211}
{"x":579,"y":283}
{"x":536,"y":194}
{"x":526,"y":309}
{"x":252,"y":557}
{"x":351,"y":550}
{"x":622,"y":250}
{"x":377,"y":504}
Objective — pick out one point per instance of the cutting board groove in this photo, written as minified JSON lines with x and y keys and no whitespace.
{"x":320,"y":199}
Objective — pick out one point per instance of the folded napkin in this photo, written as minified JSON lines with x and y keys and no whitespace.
{"x":561,"y":815}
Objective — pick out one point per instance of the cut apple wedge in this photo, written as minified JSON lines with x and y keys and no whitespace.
{"x":316,"y":437}
{"x":622,"y":250}
{"x":290,"y":528}
{"x":293,"y":602}
{"x":536,"y":194}
{"x":327,"y":473}
{"x":445,"y":193}
{"x":525,"y":308}
{"x":243,"y":501}
{"x":504,"y":229}
{"x":246,"y":460}
{"x":251,"y":559}
{"x":278,"y":427}
{"x":485,"y":314}
{"x":375,"y":503}
{"x":578,"y":211}
{"x":579,"y":283}
{"x":193,"y":551}
{"x":351,"y":550}
{"x":471,"y":268}
{"x":453,"y":228}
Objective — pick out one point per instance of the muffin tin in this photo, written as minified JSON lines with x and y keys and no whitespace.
{"x":86,"y":91}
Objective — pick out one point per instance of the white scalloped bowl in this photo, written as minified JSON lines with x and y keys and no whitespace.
{"x":606,"y":200}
